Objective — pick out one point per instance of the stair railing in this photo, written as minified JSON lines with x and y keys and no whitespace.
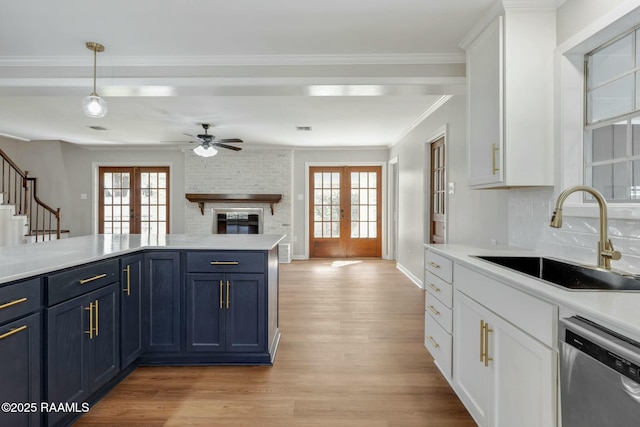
{"x":21,"y":190}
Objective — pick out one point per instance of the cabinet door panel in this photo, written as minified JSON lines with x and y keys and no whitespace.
{"x":205,"y":312}
{"x":471,"y":376}
{"x":66,"y":355}
{"x":104,"y":359}
{"x":525,"y":378}
{"x":20,"y":369}
{"x":130,"y":309}
{"x":161,"y":302}
{"x":245,"y":328}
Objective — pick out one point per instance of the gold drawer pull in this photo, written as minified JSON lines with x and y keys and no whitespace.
{"x":433,"y":342}
{"x":127,"y":290}
{"x":434,"y":287}
{"x":91,"y":279}
{"x":433,"y":264}
{"x":13,"y":331}
{"x":12,"y":303}
{"x":434,"y":310}
{"x":225,"y":262}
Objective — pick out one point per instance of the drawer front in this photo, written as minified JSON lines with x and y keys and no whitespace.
{"x":19,"y":299}
{"x":82,"y":279}
{"x":532,"y":315}
{"x":225,"y":262}
{"x":438,"y":265}
{"x":439,"y":288}
{"x":438,"y":311}
{"x":438,"y":342}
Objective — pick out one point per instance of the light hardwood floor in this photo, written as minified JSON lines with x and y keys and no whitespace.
{"x":351,"y":355}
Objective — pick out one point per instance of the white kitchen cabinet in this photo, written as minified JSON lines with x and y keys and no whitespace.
{"x":510,"y":101}
{"x":504,"y":362}
{"x":438,"y":275}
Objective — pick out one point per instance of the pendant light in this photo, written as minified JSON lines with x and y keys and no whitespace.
{"x":93,"y":105}
{"x":205,"y":150}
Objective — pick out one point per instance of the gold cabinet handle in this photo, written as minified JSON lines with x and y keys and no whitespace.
{"x":433,"y":342}
{"x":487,"y":330}
{"x":225,"y":262}
{"x":494,"y":168}
{"x":12,"y":332}
{"x":12,"y":303}
{"x":90,"y":310}
{"x":96,"y":306}
{"x":481,"y":341}
{"x":434,"y":287}
{"x":221,"y":300}
{"x":434,"y":310}
{"x":91,"y":279}
{"x":433,"y":264}
{"x":227,"y":294}
{"x":127,"y":290}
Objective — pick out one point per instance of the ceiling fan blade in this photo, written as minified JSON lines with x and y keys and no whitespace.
{"x":217,"y":144}
{"x":227,"y":140}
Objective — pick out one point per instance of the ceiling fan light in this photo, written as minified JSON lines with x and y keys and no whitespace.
{"x":94,"y":106}
{"x":203,"y":151}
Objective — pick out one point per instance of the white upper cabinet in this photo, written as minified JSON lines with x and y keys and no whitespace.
{"x":510,"y":101}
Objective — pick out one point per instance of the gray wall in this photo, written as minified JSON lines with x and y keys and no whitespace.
{"x":65,"y":172}
{"x":473,"y":216}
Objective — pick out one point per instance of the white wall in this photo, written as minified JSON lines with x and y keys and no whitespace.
{"x":473,"y":216}
{"x":241,"y":172}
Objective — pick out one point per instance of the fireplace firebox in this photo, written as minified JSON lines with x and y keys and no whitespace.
{"x":237,"y":220}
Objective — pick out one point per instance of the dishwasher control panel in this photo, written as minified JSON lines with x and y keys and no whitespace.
{"x":604,"y":355}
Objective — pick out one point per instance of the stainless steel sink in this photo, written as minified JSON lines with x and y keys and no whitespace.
{"x":566,"y":275}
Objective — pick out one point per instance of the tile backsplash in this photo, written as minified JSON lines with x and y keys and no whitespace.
{"x":530,"y":211}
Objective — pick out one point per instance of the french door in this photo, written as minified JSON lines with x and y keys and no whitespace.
{"x":438,"y":193}
{"x":133,"y":200}
{"x":346,"y":213}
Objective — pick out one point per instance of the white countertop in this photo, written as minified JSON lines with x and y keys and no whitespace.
{"x":616,"y":310}
{"x":19,"y":262}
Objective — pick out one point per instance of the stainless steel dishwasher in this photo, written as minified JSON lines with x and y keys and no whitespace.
{"x":599,"y":376}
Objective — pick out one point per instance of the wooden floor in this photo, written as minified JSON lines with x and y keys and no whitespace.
{"x":351,"y":355}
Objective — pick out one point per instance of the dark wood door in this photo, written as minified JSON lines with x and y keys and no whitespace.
{"x":20,"y":369}
{"x":205,"y":311}
{"x":245,"y":307}
{"x":437,"y":193}
{"x":346,"y":213}
{"x":130,"y":309}
{"x":161,"y":302}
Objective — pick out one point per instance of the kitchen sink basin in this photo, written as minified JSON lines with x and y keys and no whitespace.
{"x":566,"y":275}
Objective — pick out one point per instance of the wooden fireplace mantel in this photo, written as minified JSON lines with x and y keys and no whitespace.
{"x":201,"y":199}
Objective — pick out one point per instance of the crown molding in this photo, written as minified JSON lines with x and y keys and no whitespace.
{"x":495,"y":10}
{"x":429,"y":111}
{"x":236,"y":60}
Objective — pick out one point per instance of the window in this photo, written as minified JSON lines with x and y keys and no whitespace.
{"x":612,"y":131}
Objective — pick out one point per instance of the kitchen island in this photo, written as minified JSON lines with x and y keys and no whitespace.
{"x":78,"y":315}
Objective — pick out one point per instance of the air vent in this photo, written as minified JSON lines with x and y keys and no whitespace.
{"x":303,"y":128}
{"x":97,"y":127}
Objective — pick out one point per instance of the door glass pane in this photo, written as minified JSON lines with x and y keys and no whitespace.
{"x":115,"y":202}
{"x":153,"y":201}
{"x":363,"y":204}
{"x":326,"y":205}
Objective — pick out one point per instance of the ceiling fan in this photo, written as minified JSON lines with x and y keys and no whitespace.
{"x":207,"y":143}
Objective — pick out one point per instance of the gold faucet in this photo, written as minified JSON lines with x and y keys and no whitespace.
{"x":606,"y":252}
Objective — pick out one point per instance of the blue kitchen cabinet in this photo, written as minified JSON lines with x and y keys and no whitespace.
{"x":161,"y":302}
{"x":131,"y":279}
{"x":83,"y":342}
{"x":226,"y":312}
